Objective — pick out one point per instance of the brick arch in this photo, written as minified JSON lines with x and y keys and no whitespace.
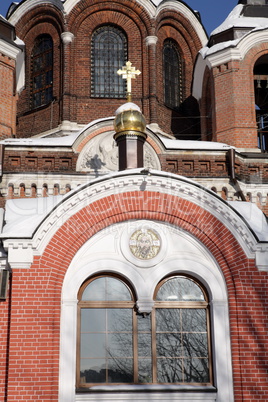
{"x":43,"y":13}
{"x":183,"y":26}
{"x":143,"y":205}
{"x":88,"y":108}
{"x":132,"y":10}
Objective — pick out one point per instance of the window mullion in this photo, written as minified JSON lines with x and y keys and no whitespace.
{"x":154,"y":359}
{"x":135,"y":347}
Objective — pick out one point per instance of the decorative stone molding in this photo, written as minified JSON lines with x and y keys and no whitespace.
{"x":100,"y":155}
{"x":151,"y":40}
{"x":153,"y":181}
{"x":67,"y":37}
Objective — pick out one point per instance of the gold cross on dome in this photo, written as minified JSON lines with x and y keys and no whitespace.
{"x":128,"y":73}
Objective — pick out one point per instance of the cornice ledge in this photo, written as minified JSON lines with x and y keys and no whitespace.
{"x":223,"y":56}
{"x":261,"y":258}
{"x":9,"y":49}
{"x":153,"y":181}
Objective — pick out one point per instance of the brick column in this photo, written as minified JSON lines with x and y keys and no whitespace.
{"x":151,"y":43}
{"x":234,"y":106}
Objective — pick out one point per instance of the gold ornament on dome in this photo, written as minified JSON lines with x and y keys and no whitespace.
{"x":144,"y":244}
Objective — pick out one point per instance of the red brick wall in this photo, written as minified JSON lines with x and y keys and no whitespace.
{"x":35,"y":311}
{"x":7,"y":98}
{"x":235,"y":119}
{"x":72,"y":67}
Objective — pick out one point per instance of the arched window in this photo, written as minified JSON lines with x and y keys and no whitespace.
{"x":173,"y":75}
{"x":119,"y":345}
{"x":42,"y":71}
{"x":261,"y":100}
{"x":108,"y":54}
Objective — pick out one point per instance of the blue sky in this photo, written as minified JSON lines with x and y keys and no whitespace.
{"x":213,"y":12}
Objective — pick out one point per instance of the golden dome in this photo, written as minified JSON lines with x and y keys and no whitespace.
{"x":129,"y":120}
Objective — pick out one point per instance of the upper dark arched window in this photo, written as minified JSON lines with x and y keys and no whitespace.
{"x":108,"y":54}
{"x":173,"y":75}
{"x":261,"y":100}
{"x":42,"y":71}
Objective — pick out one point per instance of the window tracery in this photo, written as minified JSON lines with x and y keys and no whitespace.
{"x":108,"y":55}
{"x":42,"y":71}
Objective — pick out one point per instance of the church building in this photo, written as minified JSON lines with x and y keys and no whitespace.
{"x":133,"y":202}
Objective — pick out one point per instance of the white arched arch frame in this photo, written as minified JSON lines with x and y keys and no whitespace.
{"x":208,"y":274}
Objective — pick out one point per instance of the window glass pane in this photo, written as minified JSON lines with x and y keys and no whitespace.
{"x":145,"y":371}
{"x":180,"y":289}
{"x":196,"y":370}
{"x":168,"y":320}
{"x":42,"y":71}
{"x":182,"y":343}
{"x":169,"y":345}
{"x":195,"y":345}
{"x":93,"y":345}
{"x":106,"y":339}
{"x":93,"y":320}
{"x":172,"y":67}
{"x":109,"y":53}
{"x":92,"y":371}
{"x":119,"y":320}
{"x":169,"y":370}
{"x":106,"y":289}
{"x":120,"y":370}
{"x":194,"y":320}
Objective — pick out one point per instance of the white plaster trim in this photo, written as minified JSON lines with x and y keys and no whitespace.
{"x":67,"y":37}
{"x":20,"y":257}
{"x":28,"y":5}
{"x":198,"y":77}
{"x":20,"y":70}
{"x":238,"y":52}
{"x":151,"y":40}
{"x":163,"y":396}
{"x":9,"y":50}
{"x":127,"y":181}
{"x":223,"y":57}
{"x":206,"y":271}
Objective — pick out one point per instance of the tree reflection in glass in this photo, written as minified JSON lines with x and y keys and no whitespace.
{"x":106,"y":346}
{"x":119,"y":345}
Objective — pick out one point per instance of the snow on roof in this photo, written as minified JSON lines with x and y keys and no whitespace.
{"x":22,"y":216}
{"x":193,"y":145}
{"x":235,"y":19}
{"x":68,"y":140}
{"x":253,"y":216}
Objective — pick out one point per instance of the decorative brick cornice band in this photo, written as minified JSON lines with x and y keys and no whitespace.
{"x":152,"y":194}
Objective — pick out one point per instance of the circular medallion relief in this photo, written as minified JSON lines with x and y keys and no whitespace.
{"x":145,"y":244}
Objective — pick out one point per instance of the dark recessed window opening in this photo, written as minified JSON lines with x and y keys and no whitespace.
{"x":42,"y":72}
{"x":173,"y":75}
{"x":108,"y":55}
